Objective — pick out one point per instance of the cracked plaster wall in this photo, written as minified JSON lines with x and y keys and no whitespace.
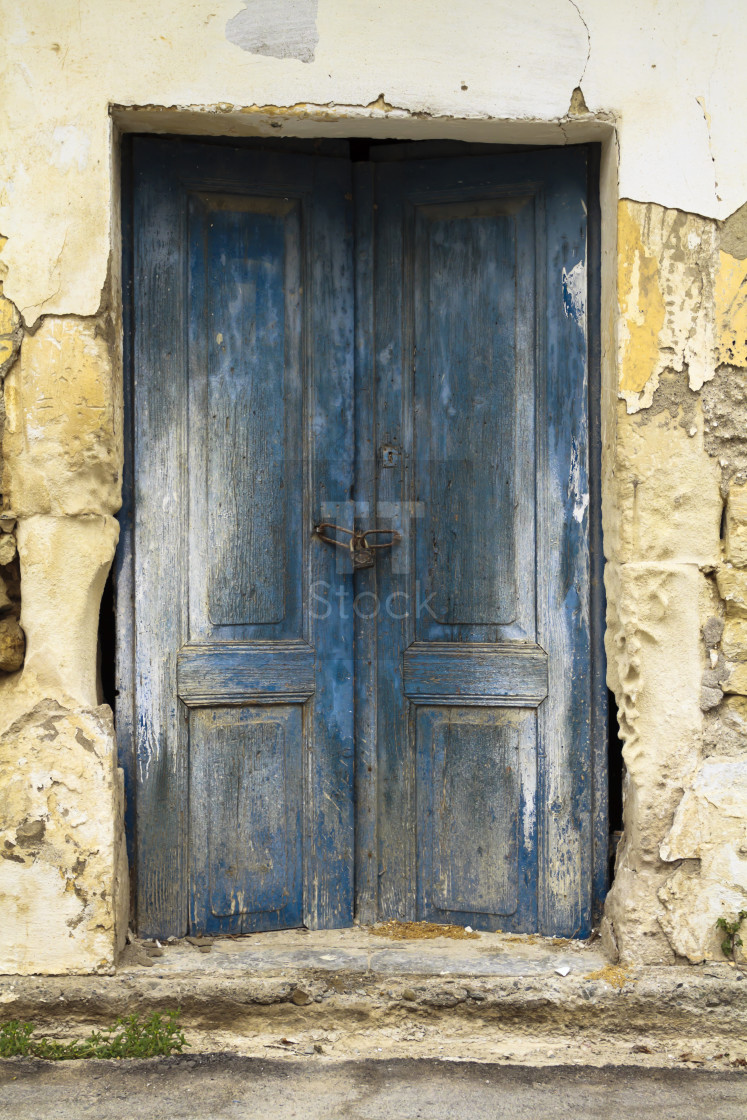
{"x":675,"y":538}
{"x":667,"y":76}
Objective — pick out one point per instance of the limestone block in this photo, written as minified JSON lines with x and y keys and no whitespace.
{"x":10,"y":334}
{"x":710,"y":826}
{"x":712,"y":812}
{"x":710,"y":698}
{"x":655,"y":666}
{"x":666,"y":490}
{"x":630,"y":929}
{"x":735,"y":542}
{"x":62,"y":452}
{"x":736,"y":678}
{"x":63,"y":875}
{"x":734,"y":639}
{"x":7,"y":548}
{"x":732,"y":587}
{"x":12,"y":645}
{"x":64,"y":565}
{"x":692,"y":903}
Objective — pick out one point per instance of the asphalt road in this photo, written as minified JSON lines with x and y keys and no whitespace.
{"x":225,"y":1087}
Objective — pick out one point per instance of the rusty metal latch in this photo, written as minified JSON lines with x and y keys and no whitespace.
{"x":363,"y":553}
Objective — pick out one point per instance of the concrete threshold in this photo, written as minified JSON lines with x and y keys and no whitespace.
{"x":353,"y":993}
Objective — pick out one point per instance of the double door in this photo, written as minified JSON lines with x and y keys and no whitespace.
{"x":355,"y":604}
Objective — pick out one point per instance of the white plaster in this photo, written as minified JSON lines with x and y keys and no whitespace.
{"x":574,"y":294}
{"x":670,"y":72}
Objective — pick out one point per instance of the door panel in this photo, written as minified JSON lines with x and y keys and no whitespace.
{"x":464,"y":308}
{"x":480,"y":377}
{"x":242,"y":416}
{"x":469,"y":793}
{"x":247,"y":847}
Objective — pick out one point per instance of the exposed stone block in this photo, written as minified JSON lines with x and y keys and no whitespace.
{"x":63,"y":868}
{"x":710,"y":698}
{"x":710,"y":826}
{"x":734,"y":639}
{"x":61,"y":448}
{"x":713,"y":629}
{"x":736,"y":678}
{"x":667,"y":502}
{"x":732,"y":587}
{"x":64,"y":565}
{"x":735,"y":542}
{"x":12,"y":645}
{"x":7,"y":548}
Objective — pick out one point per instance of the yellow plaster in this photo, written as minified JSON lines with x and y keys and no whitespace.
{"x":641,"y":303}
{"x":731,"y":311}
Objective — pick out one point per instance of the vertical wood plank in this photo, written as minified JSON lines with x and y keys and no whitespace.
{"x":366,"y":580}
{"x":329,"y":451}
{"x":563,"y":601}
{"x":160,"y":452}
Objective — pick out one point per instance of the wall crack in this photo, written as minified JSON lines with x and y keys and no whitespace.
{"x":588,"y":41}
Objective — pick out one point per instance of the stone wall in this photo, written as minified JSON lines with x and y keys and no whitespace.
{"x":63,"y":872}
{"x":675,"y":533}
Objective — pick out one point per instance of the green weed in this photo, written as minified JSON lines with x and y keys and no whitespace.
{"x":732,"y":941}
{"x":128,"y":1038}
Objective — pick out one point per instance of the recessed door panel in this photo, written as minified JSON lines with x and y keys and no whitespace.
{"x":469,"y":808}
{"x":247,"y":851}
{"x":465,"y":311}
{"x":253,"y":327}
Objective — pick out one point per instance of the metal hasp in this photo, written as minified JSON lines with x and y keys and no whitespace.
{"x":362,"y":553}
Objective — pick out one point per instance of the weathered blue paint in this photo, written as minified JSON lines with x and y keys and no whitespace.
{"x":481,"y":384}
{"x":243,"y":391}
{"x":452,"y":337}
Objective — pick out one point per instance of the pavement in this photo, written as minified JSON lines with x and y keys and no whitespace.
{"x":226,"y":1087}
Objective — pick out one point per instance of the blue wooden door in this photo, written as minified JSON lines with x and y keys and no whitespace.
{"x":241,"y":697}
{"x":474,"y":371}
{"x":394,"y":344}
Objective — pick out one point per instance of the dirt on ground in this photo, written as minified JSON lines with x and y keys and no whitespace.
{"x":422,"y":931}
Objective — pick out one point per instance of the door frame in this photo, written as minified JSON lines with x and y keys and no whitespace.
{"x":365,"y":742}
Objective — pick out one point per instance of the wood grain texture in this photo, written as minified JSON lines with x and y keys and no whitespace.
{"x":522,"y":222}
{"x":465,"y":390}
{"x":504,"y":674}
{"x":160,"y":573}
{"x":246,"y":865}
{"x":469,"y":806}
{"x":243,"y":386}
{"x":246,"y":289}
{"x":272,"y":360}
{"x":229,"y":673}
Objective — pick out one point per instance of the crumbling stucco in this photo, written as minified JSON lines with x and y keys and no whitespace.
{"x":676,"y":540}
{"x":63,"y":870}
{"x":12,"y":639}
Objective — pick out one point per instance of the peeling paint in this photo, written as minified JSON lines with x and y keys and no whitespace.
{"x":278,"y":28}
{"x":574,"y":294}
{"x":641,"y":304}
